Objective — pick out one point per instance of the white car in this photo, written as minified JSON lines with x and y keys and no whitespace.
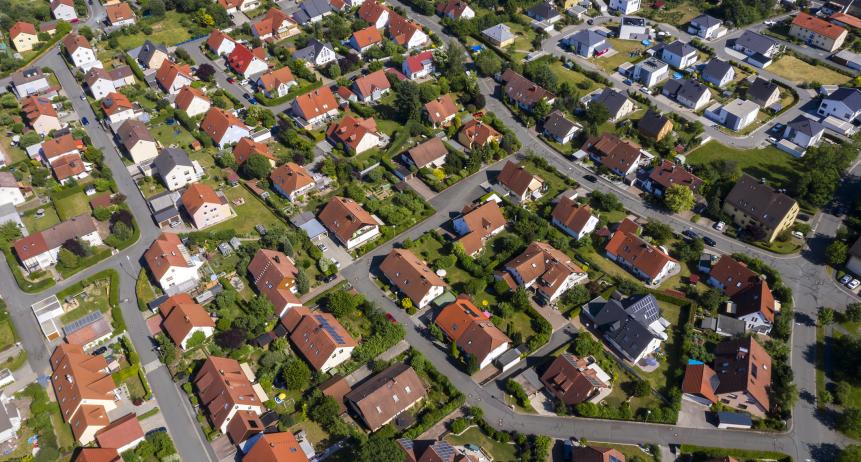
{"x":845,"y":279}
{"x":322,"y":247}
{"x":854,"y":284}
{"x":797,"y":235}
{"x":720,"y":226}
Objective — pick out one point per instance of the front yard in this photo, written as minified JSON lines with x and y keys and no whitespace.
{"x":72,"y":205}
{"x":798,"y":71}
{"x":624,"y":49}
{"x":168,"y":31}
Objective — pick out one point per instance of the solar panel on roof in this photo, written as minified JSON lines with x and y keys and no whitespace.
{"x":79,"y":324}
{"x":324,"y":323}
{"x":444,"y":450}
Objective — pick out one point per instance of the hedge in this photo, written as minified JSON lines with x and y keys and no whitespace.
{"x":84,"y":263}
{"x":23,"y":283}
{"x":294,"y":92}
{"x":79,"y":286}
{"x":124,"y":374}
{"x":136,"y":70}
{"x":739,"y":453}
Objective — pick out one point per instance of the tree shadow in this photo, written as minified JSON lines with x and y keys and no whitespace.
{"x":824,"y":451}
{"x":827,"y":417}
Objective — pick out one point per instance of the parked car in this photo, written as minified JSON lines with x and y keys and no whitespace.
{"x":846,"y":279}
{"x":690,"y":233}
{"x":260,"y":229}
{"x":322,"y":247}
{"x":797,"y":235}
{"x":330,"y":278}
{"x":85,"y":121}
{"x":100,"y":351}
{"x":854,"y":284}
{"x":391,"y":318}
{"x":628,"y":82}
{"x":591,"y":178}
{"x":83,"y":97}
{"x":709,"y":241}
{"x":720,"y":226}
{"x":231,"y":80}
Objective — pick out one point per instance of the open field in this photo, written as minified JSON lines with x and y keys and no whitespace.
{"x":799,"y":71}
{"x":770,"y":162}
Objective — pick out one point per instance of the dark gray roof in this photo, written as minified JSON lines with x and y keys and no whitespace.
{"x":851,"y":97}
{"x":170,"y":158}
{"x":716,"y":69}
{"x":148,"y":49}
{"x":27,"y":75}
{"x":652,"y":123}
{"x":806,"y":125}
{"x":586,"y":37}
{"x":557,"y":124}
{"x":166,"y":214}
{"x":633,"y":21}
{"x":543,"y":11}
{"x":679,"y":48}
{"x":311,"y":9}
{"x":759,"y":201}
{"x":735,"y":418}
{"x":689,"y":89}
{"x":612,"y":100}
{"x":705,"y":21}
{"x":313,"y":49}
{"x":627,"y":330}
{"x":645,"y":309}
{"x":761,"y":90}
{"x":756,"y":42}
{"x":8,"y":411}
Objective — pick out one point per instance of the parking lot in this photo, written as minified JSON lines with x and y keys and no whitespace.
{"x":333,"y":251}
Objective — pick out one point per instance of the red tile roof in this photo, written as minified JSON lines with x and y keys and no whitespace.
{"x":571,"y":214}
{"x":273,"y":79}
{"x":275,"y":447}
{"x":401,"y":30}
{"x":97,"y":455}
{"x":482,"y":221}
{"x":291,"y":177}
{"x":165,"y":253}
{"x":847,"y":19}
{"x":570,"y":379}
{"x":647,"y":258}
{"x":412,"y":276}
{"x":614,"y":153}
{"x":119,"y":12}
{"x":240,"y":58}
{"x":121,"y":432}
{"x":367,"y":37}
{"x":169,"y":71}
{"x":669,"y":173}
{"x":441,"y":108}
{"x":216,"y":37}
{"x":516,"y":178}
{"x":274,"y":275}
{"x":187,"y":95}
{"x":351,"y":130}
{"x":318,"y":336}
{"x":217,"y":121}
{"x":376,"y":80}
{"x":221,"y":384}
{"x":198,"y":194}
{"x":78,"y":376}
{"x":181,"y":314}
{"x":818,"y":26}
{"x":417,"y":62}
{"x":343,"y":216}
{"x":74,"y":41}
{"x":700,"y":380}
{"x":115,"y":103}
{"x":22,"y":27}
{"x":467,"y":326}
{"x":316,"y":102}
{"x":246,"y":146}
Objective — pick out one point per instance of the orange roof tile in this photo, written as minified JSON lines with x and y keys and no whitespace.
{"x":818,"y":26}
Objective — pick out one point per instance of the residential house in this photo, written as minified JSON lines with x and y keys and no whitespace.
{"x":319,"y":338}
{"x":275,"y":25}
{"x":246,"y":147}
{"x":544,"y":12}
{"x":419,"y":66}
{"x":689,"y":93}
{"x":10,"y":418}
{"x":763,"y":92}
{"x":587,"y":43}
{"x":668,"y":174}
{"x":247,"y":63}
{"x":412,"y":277}
{"x":233,"y":6}
{"x":750,"y":297}
{"x":817,"y":32}
{"x":205,"y":206}
{"x":225,"y":391}
{"x":644,"y":260}
{"x":372,"y":87}
{"x":429,"y":154}
{"x":617,"y":104}
{"x":39,"y":251}
{"x":120,"y":14}
{"x":519,"y":183}
{"x":718,"y":72}
{"x":574,"y":219}
{"x":118,"y":108}
{"x":472,"y":331}
{"x":315,"y":107}
{"x":739,"y":379}
{"x":845,"y":20}
{"x":49,"y":28}
{"x":171,"y":264}
{"x":354,"y":134}
{"x":854,"y":263}
{"x":430,"y":450}
{"x":803,"y":131}
{"x":193,"y":101}
{"x":650,"y":72}
{"x":176,"y":169}
{"x":10,"y":192}
{"x":475,"y":133}
{"x":680,"y":55}
{"x":29,"y":81}
{"x":572,"y":380}
{"x":64,"y":10}
{"x":277,"y":83}
{"x":151,"y":55}
{"x":274,"y":274}
{"x":754,"y":205}
{"x":844,"y":104}
{"x":596,"y":454}
{"x":455,"y":9}
{"x":478,"y":223}
{"x":625,"y":6}
{"x":291,"y":180}
{"x":317,"y":53}
{"x":386,"y":395}
{"x":633,"y":327}
{"x":80,"y":51}
{"x":220,"y":43}
{"x":98,"y":81}
{"x":441,"y":111}
{"x":374,"y":13}
{"x":23,"y":36}
{"x":311,"y":11}
{"x":223,"y":127}
{"x":40,"y":114}
{"x":84,"y":389}
{"x":182,"y":319}
{"x":616,"y":155}
{"x":735,"y":115}
{"x":499,"y":35}
{"x":707,"y":27}
{"x":123,"y":434}
{"x":523,"y":92}
{"x":559,"y":128}
{"x":98,"y":455}
{"x":63,"y":155}
{"x":542,"y":267}
{"x":137,"y":141}
{"x":365,"y":39}
{"x":759,"y":49}
{"x":172,"y":77}
{"x":634,"y":28}
{"x":654,"y":125}
{"x":275,"y":447}
{"x":352,"y":225}
{"x":406,"y":33}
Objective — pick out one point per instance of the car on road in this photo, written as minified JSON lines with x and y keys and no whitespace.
{"x":83,"y":97}
{"x":846,"y":279}
{"x":720,"y":226}
{"x":590,"y":22}
{"x":646,"y":90}
{"x":709,"y":241}
{"x":250,"y":98}
{"x":391,"y":318}
{"x":330,"y":278}
{"x":85,"y":121}
{"x":690,"y":233}
{"x":591,"y":178}
{"x":628,"y":82}
{"x":854,"y":284}
{"x":769,"y":22}
{"x":231,"y":80}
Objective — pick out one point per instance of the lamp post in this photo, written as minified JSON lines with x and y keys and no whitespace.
{"x":648,"y":411}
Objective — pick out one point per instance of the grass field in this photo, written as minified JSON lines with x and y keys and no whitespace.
{"x":72,"y":206}
{"x":249,"y":214}
{"x":622,"y":47}
{"x":7,"y":336}
{"x":34,"y":224}
{"x":168,"y":31}
{"x":169,"y":135}
{"x":567,"y":75}
{"x":799,"y":71}
{"x":770,"y":162}
{"x":499,"y":451}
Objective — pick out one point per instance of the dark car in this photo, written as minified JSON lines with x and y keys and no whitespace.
{"x":709,"y":241}
{"x":690,"y":233}
{"x":100,"y":351}
{"x":330,"y":278}
{"x":591,"y":178}
{"x":230,"y":80}
{"x":590,"y":22}
{"x":85,"y":121}
{"x":391,"y":318}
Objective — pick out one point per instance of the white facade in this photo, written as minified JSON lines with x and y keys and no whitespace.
{"x":45,"y":123}
{"x":11,"y":196}
{"x":257,"y":409}
{"x":207,"y":332}
{"x":756,"y":322}
{"x":419,"y":39}
{"x":325,"y":56}
{"x":64,"y":12}
{"x":225,"y":47}
{"x":178,"y":83}
{"x":363,"y":235}
{"x":255,"y":67}
{"x":838,"y":109}
{"x":493,"y":355}
{"x":85,"y":59}
{"x":590,"y":225}
{"x":432,"y":293}
{"x":679,"y":61}
{"x":625,"y":6}
{"x":197,"y":106}
{"x":46,"y":259}
{"x":232,"y":135}
{"x":669,"y":266}
{"x":338,"y":357}
{"x":181,"y":176}
{"x":29,"y":88}
{"x":802,"y":139}
{"x":178,"y":277}
{"x":382,"y":20}
{"x":101,"y":88}
{"x":122,"y":116}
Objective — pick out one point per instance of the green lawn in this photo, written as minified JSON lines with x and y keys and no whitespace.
{"x":34,"y":224}
{"x":672,"y":350}
{"x":499,"y":451}
{"x":168,"y":31}
{"x":798,"y":71}
{"x":7,"y":335}
{"x":573,"y":77}
{"x":770,"y":163}
{"x":72,"y":206}
{"x":622,"y":47}
{"x":95,"y":300}
{"x":249,"y":214}
{"x":628,"y":450}
{"x":169,"y":135}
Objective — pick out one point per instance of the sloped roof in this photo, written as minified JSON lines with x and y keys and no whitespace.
{"x":165,"y":253}
{"x":217,"y":121}
{"x":716,"y":69}
{"x":316,"y":102}
{"x":221,"y":384}
{"x":274,"y":275}
{"x":74,"y":41}
{"x":119,"y":12}
{"x":517,"y":178}
{"x":571,"y":214}
{"x":558,"y":125}
{"x":613,"y":152}
{"x":523,"y":90}
{"x":245,"y":147}
{"x":78,"y":376}
{"x":818,"y":26}
{"x":479,"y":133}
{"x":546,"y":265}
{"x":169,"y":71}
{"x":700,"y":380}
{"x":187,"y":95}
{"x":120,"y":432}
{"x":669,"y":173}
{"x":318,"y":336}
{"x":761,"y":90}
{"x":115,"y":103}
{"x":181,"y":315}
{"x":343,"y":216}
{"x":441,"y":108}
{"x":376,"y":80}
{"x":198,"y":194}
{"x":53,"y":237}
{"x":653,"y":123}
{"x":464,"y":324}
{"x":291,"y":177}
{"x":760,"y":201}
{"x":743,"y":365}
{"x":417,"y":61}
{"x":272,"y":79}
{"x":374,"y":397}
{"x":21,"y":27}
{"x":481,"y":220}
{"x":412,"y":276}
{"x":133,"y":131}
{"x":275,"y":447}
{"x":351,"y":130}
{"x":647,"y":258}
{"x":571,"y":380}
{"x":367,"y":36}
{"x":427,"y":152}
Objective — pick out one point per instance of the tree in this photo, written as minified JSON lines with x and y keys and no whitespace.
{"x":342,"y":303}
{"x":156,"y":8}
{"x":455,"y":351}
{"x":659,"y":232}
{"x":836,"y":253}
{"x":679,"y":197}
{"x":302,"y":283}
{"x":850,"y":422}
{"x":488,"y":63}
{"x":596,"y":114}
{"x":826,"y":316}
{"x":641,"y":388}
{"x":380,"y":448}
{"x":257,"y":166}
{"x":325,"y":411}
{"x":296,"y":375}
{"x":851,"y":453}
{"x":853,"y":312}
{"x":196,"y":339}
{"x":408,"y":100}
{"x":406,"y":303}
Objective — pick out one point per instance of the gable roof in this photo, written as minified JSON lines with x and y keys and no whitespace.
{"x":309,"y":9}
{"x":291,"y":177}
{"x":543,"y":11}
{"x":217,"y":122}
{"x":453,"y":8}
{"x":318,"y":336}
{"x":743,"y":365}
{"x":427,"y":152}
{"x":653,"y":123}
{"x":169,"y":71}
{"x":700,"y":380}
{"x":148,"y":49}
{"x":133,"y":131}
{"x":376,"y":80}
{"x":761,"y":90}
{"x":275,"y":447}
{"x":78,"y":376}
{"x":119,"y":12}
{"x":310,"y":52}
{"x":570,"y":379}
{"x":596,"y":454}
{"x":669,"y":173}
{"x":716,"y":69}
{"x":760,"y":201}
{"x":851,"y":97}
{"x":221,"y":385}
{"x":245,"y":147}
{"x":166,"y":251}
{"x":199,"y":194}
{"x":273,"y":79}
{"x":465,"y":325}
{"x":412,"y":276}
{"x":558,"y":125}
{"x":120,"y":432}
{"x":707,"y":21}
{"x":97,"y":455}
{"x":181,"y":315}
{"x":271,"y":22}
{"x":374,"y":398}
{"x":612,"y":100}
{"x":482,"y":221}
{"x":370,"y":11}
{"x":187,"y":95}
{"x":523,"y":90}
{"x":115,"y":103}
{"x":351,"y":130}
{"x":743,"y":286}
{"x":401,"y":30}
{"x":35,"y":106}
{"x":417,"y":62}
{"x":613,"y":152}
{"x":343,"y":216}
{"x":274,"y":275}
{"x":627,"y":331}
{"x":170,"y":158}
{"x":74,"y":41}
{"x":645,"y":257}
{"x":61,"y":145}
{"x":367,"y":37}
{"x":758,"y":43}
{"x":479,"y":133}
{"x":53,"y":237}
{"x":517,"y":178}
{"x":216,"y":37}
{"x":241,"y":58}
{"x":546,"y":265}
{"x":818,"y":26}
{"x":441,"y":108}
{"x":21,"y":27}
{"x":316,"y":102}
{"x":806,"y":125}
{"x":847,"y":19}
{"x":571,"y":214}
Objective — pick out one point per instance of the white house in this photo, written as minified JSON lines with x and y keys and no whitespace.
{"x":10,"y":419}
{"x":804,"y":132}
{"x":39,"y":251}
{"x":317,"y":53}
{"x":10,"y":193}
{"x":844,"y":104}
{"x":412,"y":277}
{"x":64,"y":10}
{"x":718,"y":72}
{"x":81,"y":52}
{"x":418,"y":66}
{"x":193,"y":101}
{"x":220,"y":43}
{"x":574,"y":219}
{"x":99,"y":83}
{"x":735,"y":115}
{"x":680,"y":55}
{"x":625,"y":6}
{"x":176,"y":169}
{"x":29,"y":81}
{"x":223,"y":127}
{"x":650,"y":72}
{"x":706,"y":27}
{"x":171,"y":264}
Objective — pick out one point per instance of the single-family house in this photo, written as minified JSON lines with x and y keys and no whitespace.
{"x":625,"y":6}
{"x":225,"y":391}
{"x":418,"y":66}
{"x":274,"y":274}
{"x":24,"y":36}
{"x":441,"y":111}
{"x":137,"y":141}
{"x":763,"y":92}
{"x":596,"y":454}
{"x":803,"y":131}
{"x":80,"y":51}
{"x":735,"y":115}
{"x":616,"y":103}
{"x":523,"y":92}
{"x":84,"y":389}
{"x":706,"y":27}
{"x":220,"y":43}
{"x":429,"y":450}
{"x":575,"y":219}
{"x":29,"y":81}
{"x":680,"y":55}
{"x":843,"y":103}
{"x":233,"y":6}
{"x":315,"y":107}
{"x":123,"y":434}
{"x":689,"y":93}
{"x":718,"y":72}
{"x":311,"y":11}
{"x":275,"y":25}
{"x":520,"y":184}
{"x":171,"y":264}
{"x":223,"y":127}
{"x":429,"y":154}
{"x":39,"y":251}
{"x":172,"y":77}
{"x":40,"y":114}
{"x":317,"y":53}
{"x":854,"y":263}
{"x":365,"y":39}
{"x":386,"y":395}
{"x":654,"y":125}
{"x":319,"y":338}
{"x":548,"y":270}
{"x":754,"y":205}
{"x":120,"y":14}
{"x":760,"y":50}
{"x":668,"y":174}
{"x":499,"y":35}
{"x":750,"y":297}
{"x":277,"y":83}
{"x":650,"y":72}
{"x":573,"y":380}
{"x":559,"y":128}
{"x":10,"y":192}
{"x":634,"y":28}
{"x":618,"y":156}
{"x":152,"y":55}
{"x":478,"y":223}
{"x":475,"y":133}
{"x":246,"y":62}
{"x":291,"y":180}
{"x":372,"y":87}
{"x":351,"y":225}
{"x":193,"y":101}
{"x":118,"y":108}
{"x":64,"y":10}
{"x":472,"y":331}
{"x":544,"y":11}
{"x":374,"y":13}
{"x":406,"y":33}
{"x":587,"y":43}
{"x":633,"y":327}
{"x":176,"y":169}
{"x":247,"y":146}
{"x":182,"y":319}
{"x":412,"y":277}
{"x":644,"y":260}
{"x":455,"y":9}
{"x":205,"y":206}
{"x":817,"y":32}
{"x":355,"y":134}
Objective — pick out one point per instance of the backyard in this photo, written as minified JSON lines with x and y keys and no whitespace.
{"x":167,"y":31}
{"x":249,"y":214}
{"x":473,"y":435}
{"x":71,"y":205}
{"x":563,"y":74}
{"x":799,"y":71}
{"x":35,"y":224}
{"x":623,"y":49}
{"x":770,"y":162}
